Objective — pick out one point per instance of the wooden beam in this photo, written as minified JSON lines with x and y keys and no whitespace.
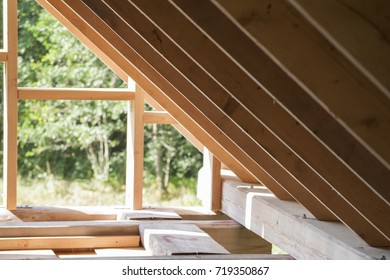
{"x":135,"y":151}
{"x":74,"y":94}
{"x":289,"y":226}
{"x":3,"y":56}
{"x":282,"y":136}
{"x":329,"y":78}
{"x":124,"y":56}
{"x":161,"y":239}
{"x":99,"y":228}
{"x":209,"y":182}
{"x":68,"y":242}
{"x":158,"y":117}
{"x":10,"y":148}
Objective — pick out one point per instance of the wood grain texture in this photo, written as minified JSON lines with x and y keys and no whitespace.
{"x":68,"y":242}
{"x":290,"y":226}
{"x":178,"y":239}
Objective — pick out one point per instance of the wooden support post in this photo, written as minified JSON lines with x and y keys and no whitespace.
{"x":10,"y":103}
{"x":209,"y":182}
{"x":135,"y":150}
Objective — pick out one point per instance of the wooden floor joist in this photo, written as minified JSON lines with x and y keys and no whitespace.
{"x":289,"y":226}
{"x":68,"y":242}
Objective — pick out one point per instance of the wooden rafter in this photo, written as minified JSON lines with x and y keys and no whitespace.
{"x":335,"y":84}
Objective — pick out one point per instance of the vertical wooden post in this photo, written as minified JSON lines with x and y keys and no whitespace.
{"x":135,"y":150}
{"x":209,"y":182}
{"x":10,"y":103}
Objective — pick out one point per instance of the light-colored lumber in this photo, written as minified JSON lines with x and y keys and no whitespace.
{"x":68,"y":242}
{"x":277,"y":131}
{"x":3,"y":56}
{"x":135,"y":151}
{"x":68,"y":228}
{"x":161,"y":239}
{"x":290,"y":226}
{"x":89,"y":23}
{"x":99,"y":228}
{"x":330,"y":79}
{"x":74,"y":94}
{"x":209,"y":182}
{"x":10,"y":104}
{"x":157,"y":117}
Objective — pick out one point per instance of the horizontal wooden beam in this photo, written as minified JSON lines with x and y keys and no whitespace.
{"x":74,"y":94}
{"x":158,"y":117}
{"x":290,"y":226}
{"x":68,"y":242}
{"x":3,"y":56}
{"x":97,"y":228}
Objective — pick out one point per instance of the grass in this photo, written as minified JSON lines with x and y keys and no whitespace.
{"x":55,"y":192}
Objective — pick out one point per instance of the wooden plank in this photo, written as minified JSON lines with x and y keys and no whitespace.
{"x":125,"y":56}
{"x":135,"y":151}
{"x":328,"y":76}
{"x":168,"y":239}
{"x":209,"y":182}
{"x":10,"y":164}
{"x":3,"y":56}
{"x":74,"y":94}
{"x":68,"y":242}
{"x":99,"y":228}
{"x":282,"y":136}
{"x":68,"y":228}
{"x":289,"y":226}
{"x":158,"y":118}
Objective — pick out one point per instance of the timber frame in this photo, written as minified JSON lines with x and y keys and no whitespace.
{"x":285,"y":100}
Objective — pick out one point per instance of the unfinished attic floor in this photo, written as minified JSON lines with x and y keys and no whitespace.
{"x":118,"y":233}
